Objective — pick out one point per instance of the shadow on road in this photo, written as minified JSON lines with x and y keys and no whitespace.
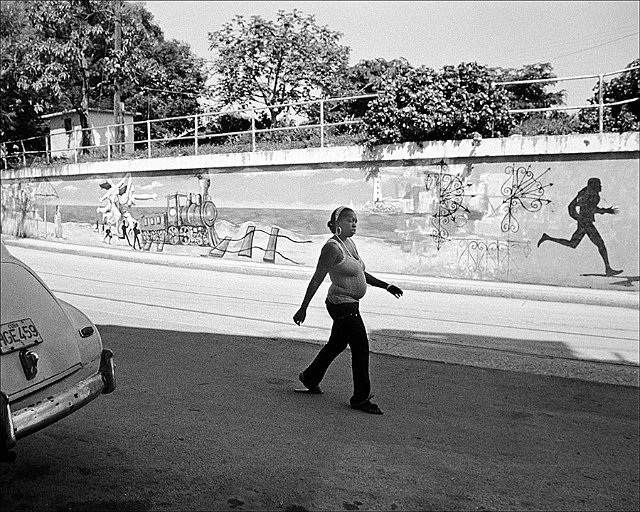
{"x":204,"y":421}
{"x":616,"y":363}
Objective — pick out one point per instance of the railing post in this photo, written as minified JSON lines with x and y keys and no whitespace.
{"x":75,"y":146}
{"x":195,"y":133}
{"x":46,"y":148}
{"x":600,"y":104}
{"x":24,"y":155}
{"x":253,"y":130}
{"x":121,"y":138}
{"x":322,"y":123}
{"x":148,"y":138}
{"x":108,"y":143}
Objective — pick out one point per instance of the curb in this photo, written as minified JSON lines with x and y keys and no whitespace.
{"x":588,"y":296}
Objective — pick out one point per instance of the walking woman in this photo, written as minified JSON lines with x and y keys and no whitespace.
{"x":340,"y":259}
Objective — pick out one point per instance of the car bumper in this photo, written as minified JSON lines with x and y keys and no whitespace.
{"x":17,"y":424}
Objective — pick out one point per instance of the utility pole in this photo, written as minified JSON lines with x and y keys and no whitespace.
{"x":117,"y":103}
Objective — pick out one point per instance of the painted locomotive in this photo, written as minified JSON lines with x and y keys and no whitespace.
{"x":188,"y":220}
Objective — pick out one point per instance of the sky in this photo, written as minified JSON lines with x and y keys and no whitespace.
{"x":577,"y":38}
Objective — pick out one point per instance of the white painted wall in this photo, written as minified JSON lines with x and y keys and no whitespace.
{"x":63,"y":142}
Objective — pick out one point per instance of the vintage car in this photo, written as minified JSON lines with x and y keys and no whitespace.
{"x":51,"y":355}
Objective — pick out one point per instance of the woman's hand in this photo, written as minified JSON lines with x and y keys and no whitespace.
{"x":300,"y":316}
{"x":394,"y":290}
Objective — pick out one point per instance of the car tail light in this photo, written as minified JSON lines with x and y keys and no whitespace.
{"x":85,"y":332}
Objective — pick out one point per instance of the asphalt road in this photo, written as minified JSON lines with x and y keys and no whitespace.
{"x":204,"y":417}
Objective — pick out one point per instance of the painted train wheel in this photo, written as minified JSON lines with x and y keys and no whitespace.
{"x":197,"y":236}
{"x":209,"y":214}
{"x":173,"y":237}
{"x":185,"y":235}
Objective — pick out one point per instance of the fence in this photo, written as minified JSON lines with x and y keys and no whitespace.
{"x":600,"y":105}
{"x":41,"y":151}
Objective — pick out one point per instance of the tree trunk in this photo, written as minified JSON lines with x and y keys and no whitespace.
{"x":117,"y":100}
{"x":87,"y":138}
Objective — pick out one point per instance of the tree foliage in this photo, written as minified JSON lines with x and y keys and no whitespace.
{"x":418,"y":104}
{"x":160,"y":78}
{"x":69,"y":62}
{"x":60,"y":61}
{"x":271,"y":62}
{"x":534,"y":95}
{"x":19,"y":109}
{"x":619,"y":118}
{"x":366,"y":77}
{"x":169,"y":86}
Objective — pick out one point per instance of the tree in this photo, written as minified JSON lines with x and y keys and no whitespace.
{"x":60,"y":62}
{"x":69,"y":61}
{"x":535,"y":95}
{"x":269,"y":63}
{"x":364,"y":78}
{"x":367,"y":76}
{"x":19,"y":109}
{"x":168,"y":86}
{"x":619,"y":118}
{"x":418,"y":104}
{"x":160,"y":78}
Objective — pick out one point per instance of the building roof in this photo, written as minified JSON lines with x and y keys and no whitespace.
{"x":67,"y":112}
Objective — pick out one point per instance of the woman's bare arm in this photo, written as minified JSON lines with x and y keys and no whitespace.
{"x":328,"y":257}
{"x":391,"y":288}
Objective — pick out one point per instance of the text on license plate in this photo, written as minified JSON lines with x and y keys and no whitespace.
{"x":19,"y":334}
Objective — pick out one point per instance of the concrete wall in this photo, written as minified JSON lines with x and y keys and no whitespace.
{"x":483,"y":219}
{"x":456,"y":208}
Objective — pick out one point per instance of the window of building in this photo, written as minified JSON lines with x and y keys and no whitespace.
{"x":67,"y":124}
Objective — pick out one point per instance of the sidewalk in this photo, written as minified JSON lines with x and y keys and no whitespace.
{"x":613,"y":298}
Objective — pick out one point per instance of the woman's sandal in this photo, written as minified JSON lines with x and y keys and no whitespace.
{"x":315,"y":390}
{"x":368,"y":407}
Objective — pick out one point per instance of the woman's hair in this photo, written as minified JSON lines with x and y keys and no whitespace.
{"x":335,"y":216}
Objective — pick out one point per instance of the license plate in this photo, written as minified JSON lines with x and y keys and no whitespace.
{"x":19,"y":334}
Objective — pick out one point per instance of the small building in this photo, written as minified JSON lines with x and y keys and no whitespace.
{"x":65,"y":133}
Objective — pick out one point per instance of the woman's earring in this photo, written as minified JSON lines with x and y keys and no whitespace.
{"x":338,"y":231}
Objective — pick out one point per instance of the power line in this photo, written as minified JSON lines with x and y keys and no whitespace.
{"x":596,"y":46}
{"x":566,"y":44}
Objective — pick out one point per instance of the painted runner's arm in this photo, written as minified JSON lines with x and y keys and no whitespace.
{"x":573,"y":208}
{"x":612,"y":210}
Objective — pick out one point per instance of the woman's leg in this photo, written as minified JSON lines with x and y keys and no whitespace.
{"x":359,"y":343}
{"x":314,"y":373}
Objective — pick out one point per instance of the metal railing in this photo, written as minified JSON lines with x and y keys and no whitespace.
{"x":601,"y":105}
{"x":44,"y":152}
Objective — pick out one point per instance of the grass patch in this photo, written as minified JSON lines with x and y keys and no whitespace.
{"x":300,"y":138}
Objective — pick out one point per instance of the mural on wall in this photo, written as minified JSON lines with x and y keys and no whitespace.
{"x":471,"y":217}
{"x":582,"y":209}
{"x":116,"y":213}
{"x":521,"y":190}
{"x":190,"y":219}
{"x":479,"y":217}
{"x":491,"y":257}
{"x":450,"y":193}
{"x":19,"y":206}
